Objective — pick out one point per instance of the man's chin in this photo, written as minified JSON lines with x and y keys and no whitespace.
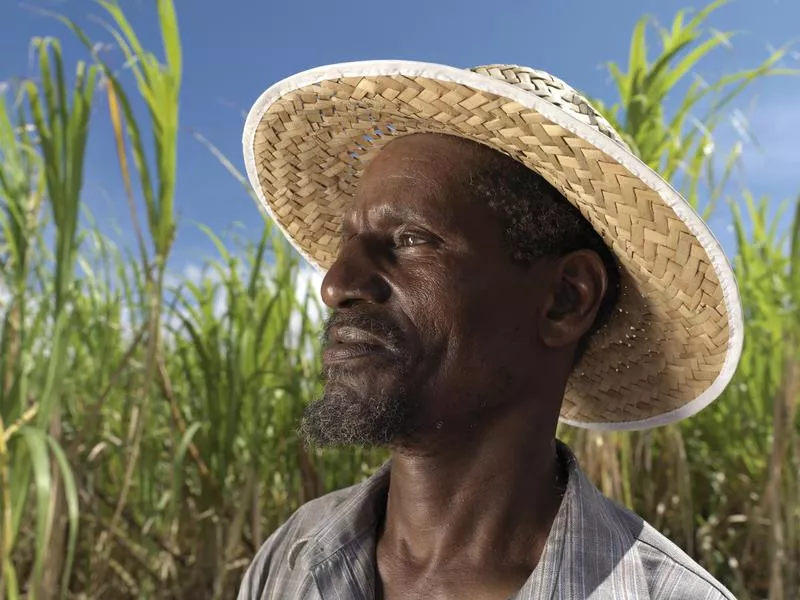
{"x":344,"y":418}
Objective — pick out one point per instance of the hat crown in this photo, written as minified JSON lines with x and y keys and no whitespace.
{"x":555,"y":91}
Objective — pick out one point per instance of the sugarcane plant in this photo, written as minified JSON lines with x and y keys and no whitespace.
{"x":42,"y":162}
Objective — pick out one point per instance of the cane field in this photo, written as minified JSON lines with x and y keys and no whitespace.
{"x":148,"y":438}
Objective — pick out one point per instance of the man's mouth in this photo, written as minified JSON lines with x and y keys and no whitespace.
{"x":350,"y":343}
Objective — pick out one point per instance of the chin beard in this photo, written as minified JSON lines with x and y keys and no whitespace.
{"x":361,"y":406}
{"x":345,"y":417}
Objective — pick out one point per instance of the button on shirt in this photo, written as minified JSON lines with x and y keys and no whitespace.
{"x":596,"y":550}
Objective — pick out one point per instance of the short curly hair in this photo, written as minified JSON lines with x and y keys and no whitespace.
{"x":539,"y":222}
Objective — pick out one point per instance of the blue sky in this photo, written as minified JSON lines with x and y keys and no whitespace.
{"x":234,"y":50}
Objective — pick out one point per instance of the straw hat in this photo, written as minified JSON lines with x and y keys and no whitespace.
{"x":676,"y":338}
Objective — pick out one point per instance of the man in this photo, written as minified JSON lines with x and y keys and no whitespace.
{"x":496,"y":260}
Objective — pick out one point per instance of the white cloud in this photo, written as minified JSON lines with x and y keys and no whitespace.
{"x":307,"y":283}
{"x":5,"y":296}
{"x":769,"y":150}
{"x":193,"y":273}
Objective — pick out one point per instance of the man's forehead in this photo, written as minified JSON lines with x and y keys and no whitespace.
{"x":408,"y":154}
{"x":421,"y":159}
{"x":404,"y":173}
{"x":418,"y":194}
{"x":417,"y":173}
{"x":399,"y":193}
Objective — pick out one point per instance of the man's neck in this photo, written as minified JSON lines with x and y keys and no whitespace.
{"x":480,"y":497}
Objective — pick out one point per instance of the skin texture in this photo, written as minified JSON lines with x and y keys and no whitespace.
{"x":468,"y":354}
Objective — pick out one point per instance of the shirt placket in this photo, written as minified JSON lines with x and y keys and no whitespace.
{"x":338,"y":578}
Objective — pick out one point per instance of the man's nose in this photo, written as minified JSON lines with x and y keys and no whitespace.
{"x":355,"y":276}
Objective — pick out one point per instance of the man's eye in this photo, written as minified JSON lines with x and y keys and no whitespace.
{"x":405,"y":240}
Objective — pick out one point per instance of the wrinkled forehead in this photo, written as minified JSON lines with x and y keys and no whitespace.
{"x":419,"y":173}
{"x":427,"y":160}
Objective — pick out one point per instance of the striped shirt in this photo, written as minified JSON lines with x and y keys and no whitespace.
{"x":596,"y":550}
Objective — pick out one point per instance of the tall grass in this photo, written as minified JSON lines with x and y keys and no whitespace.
{"x":29,"y":388}
{"x":167,"y":452}
{"x":159,"y":86}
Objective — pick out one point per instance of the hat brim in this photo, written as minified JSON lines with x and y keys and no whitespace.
{"x":676,"y":338}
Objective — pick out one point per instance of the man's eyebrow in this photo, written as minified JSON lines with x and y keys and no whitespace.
{"x":386,"y":215}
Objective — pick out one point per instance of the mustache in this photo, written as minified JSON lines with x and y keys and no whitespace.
{"x":377,"y":324}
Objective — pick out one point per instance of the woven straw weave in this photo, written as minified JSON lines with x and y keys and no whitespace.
{"x":669,"y":339}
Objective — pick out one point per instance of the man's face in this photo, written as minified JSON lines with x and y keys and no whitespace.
{"x":433,"y":326}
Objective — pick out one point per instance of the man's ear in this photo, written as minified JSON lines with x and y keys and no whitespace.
{"x":578,"y":284}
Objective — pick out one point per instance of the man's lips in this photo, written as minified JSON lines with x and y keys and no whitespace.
{"x":348,"y":343}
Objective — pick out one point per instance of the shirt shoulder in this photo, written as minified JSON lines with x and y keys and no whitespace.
{"x":273,"y":572}
{"x":670,"y":572}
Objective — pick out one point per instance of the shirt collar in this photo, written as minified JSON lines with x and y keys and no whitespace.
{"x":589,"y":551}
{"x":355,"y":518}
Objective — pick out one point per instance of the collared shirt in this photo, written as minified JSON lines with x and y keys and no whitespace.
{"x":596,"y":550}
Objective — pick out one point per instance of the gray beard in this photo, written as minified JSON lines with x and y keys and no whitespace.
{"x":343,"y":417}
{"x":365,"y":413}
